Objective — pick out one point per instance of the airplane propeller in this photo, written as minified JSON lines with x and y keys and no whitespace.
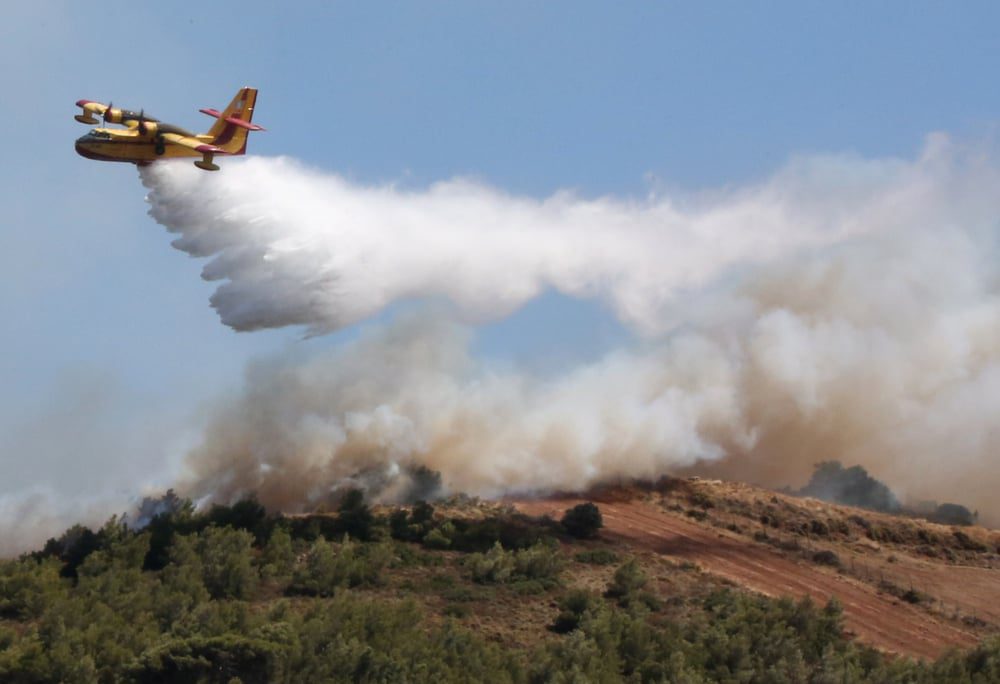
{"x":106,"y":116}
{"x":142,"y":122}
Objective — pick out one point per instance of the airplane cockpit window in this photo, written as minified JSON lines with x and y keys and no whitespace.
{"x":100,"y":134}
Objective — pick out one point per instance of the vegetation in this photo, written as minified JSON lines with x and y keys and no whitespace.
{"x":583,"y":521}
{"x":597,"y":557}
{"x":952,"y":514}
{"x":236,"y":595}
{"x":850,"y":486}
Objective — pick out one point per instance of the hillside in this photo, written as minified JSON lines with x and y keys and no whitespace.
{"x":907,"y":586}
{"x":682,"y":583}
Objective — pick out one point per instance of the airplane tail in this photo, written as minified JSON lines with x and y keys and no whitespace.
{"x":233,"y":124}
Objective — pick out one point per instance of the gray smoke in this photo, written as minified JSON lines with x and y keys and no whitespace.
{"x":844,"y":309}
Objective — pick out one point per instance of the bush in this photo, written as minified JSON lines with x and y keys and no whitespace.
{"x":225,"y":658}
{"x":967,"y":543}
{"x":510,"y":531}
{"x":701,"y":500}
{"x":826,"y":557}
{"x":583,"y":521}
{"x":952,"y":514}
{"x":228,"y":568}
{"x":540,"y":562}
{"x":572,"y":606}
{"x":436,"y":539}
{"x":497,"y":566}
{"x":329,"y":567}
{"x":246,"y":514}
{"x":72,"y":548}
{"x":493,"y":567}
{"x":27,"y":585}
{"x":530,"y":587}
{"x":851,"y":486}
{"x":818,"y":528}
{"x":457,"y":610}
{"x":597,"y":557}
{"x":277,"y":558}
{"x":424,"y":484}
{"x":354,"y":517}
{"x":412,"y":526}
{"x":628,"y":580}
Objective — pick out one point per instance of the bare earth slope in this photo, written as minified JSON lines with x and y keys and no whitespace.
{"x":923,"y":629}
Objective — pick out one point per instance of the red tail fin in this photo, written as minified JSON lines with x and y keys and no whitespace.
{"x":229,"y":132}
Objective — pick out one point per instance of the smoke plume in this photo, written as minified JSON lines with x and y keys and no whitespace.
{"x":843,"y":309}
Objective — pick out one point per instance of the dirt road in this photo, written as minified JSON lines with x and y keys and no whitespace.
{"x":880,"y":620}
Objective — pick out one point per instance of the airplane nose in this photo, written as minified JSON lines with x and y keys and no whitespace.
{"x":83,"y":148}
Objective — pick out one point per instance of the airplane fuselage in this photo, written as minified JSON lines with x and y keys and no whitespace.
{"x":128,"y":145}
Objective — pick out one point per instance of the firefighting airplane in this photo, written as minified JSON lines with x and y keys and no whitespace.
{"x":145,"y":139}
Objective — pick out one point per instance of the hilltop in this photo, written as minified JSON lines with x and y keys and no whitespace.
{"x":682,"y":580}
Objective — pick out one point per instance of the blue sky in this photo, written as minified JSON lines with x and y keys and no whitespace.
{"x":105,"y":322}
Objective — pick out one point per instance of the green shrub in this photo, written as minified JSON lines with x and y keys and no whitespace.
{"x":510,"y":531}
{"x":228,"y":567}
{"x":209,"y":659}
{"x":436,"y":539}
{"x":246,"y":514}
{"x":497,"y":566}
{"x":538,"y":562}
{"x":629,"y":578}
{"x":583,"y":521}
{"x":422,"y":513}
{"x":572,"y":606}
{"x":330,"y":566}
{"x":27,"y":586}
{"x":457,"y":610}
{"x":277,"y":558}
{"x":530,"y":587}
{"x":354,"y":517}
{"x":415,"y":525}
{"x":440,"y":537}
{"x":596,"y":557}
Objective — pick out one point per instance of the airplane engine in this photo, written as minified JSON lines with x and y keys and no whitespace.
{"x":113,"y":115}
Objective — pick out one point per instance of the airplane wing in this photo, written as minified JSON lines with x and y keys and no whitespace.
{"x":193,"y":143}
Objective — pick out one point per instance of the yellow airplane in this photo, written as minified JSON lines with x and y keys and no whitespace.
{"x":145,"y":139}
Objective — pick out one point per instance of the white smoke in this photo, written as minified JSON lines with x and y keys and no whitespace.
{"x":411,"y":395}
{"x":845,"y":308}
{"x":30,"y":517}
